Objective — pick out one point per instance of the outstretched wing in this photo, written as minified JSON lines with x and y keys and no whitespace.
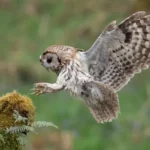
{"x":121,"y":51}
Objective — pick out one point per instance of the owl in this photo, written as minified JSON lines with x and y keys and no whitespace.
{"x":96,"y":75}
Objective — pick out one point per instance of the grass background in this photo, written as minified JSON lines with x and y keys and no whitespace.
{"x":27,"y":28}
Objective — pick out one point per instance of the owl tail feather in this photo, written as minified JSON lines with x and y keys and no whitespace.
{"x":102,"y":101}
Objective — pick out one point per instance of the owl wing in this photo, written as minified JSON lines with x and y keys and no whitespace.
{"x":121,"y":51}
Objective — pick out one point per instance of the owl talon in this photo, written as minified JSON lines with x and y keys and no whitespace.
{"x":38,"y":92}
{"x":39,"y":88}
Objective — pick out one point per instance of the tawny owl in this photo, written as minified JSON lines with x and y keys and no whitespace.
{"x":98,"y":73}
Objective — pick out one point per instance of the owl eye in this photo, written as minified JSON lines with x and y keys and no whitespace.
{"x":49,"y":60}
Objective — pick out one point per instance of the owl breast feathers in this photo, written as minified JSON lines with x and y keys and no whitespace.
{"x":98,"y":73}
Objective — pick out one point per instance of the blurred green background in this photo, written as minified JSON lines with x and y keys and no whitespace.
{"x":27,"y":28}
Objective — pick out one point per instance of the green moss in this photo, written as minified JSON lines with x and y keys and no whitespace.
{"x":15,"y":101}
{"x":10,"y":142}
{"x":8,"y":104}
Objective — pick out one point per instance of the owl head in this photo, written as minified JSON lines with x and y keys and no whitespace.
{"x":56,"y":57}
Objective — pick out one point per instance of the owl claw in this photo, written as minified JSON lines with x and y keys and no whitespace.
{"x":39,"y":88}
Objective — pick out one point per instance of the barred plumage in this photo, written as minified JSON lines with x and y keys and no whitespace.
{"x":128,"y":50}
{"x":96,"y":74}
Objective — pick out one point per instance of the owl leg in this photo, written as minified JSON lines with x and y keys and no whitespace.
{"x":101,"y":101}
{"x":40,"y":88}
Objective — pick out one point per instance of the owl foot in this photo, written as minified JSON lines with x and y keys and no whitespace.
{"x":40,"y":88}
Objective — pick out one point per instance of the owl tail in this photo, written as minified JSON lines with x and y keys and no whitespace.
{"x":101,"y":101}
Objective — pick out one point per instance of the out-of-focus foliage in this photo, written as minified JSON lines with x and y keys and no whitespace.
{"x":27,"y":27}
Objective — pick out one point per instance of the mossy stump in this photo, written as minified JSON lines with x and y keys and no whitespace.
{"x":8,"y":104}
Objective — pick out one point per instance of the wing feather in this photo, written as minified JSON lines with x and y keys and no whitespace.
{"x":121,"y":51}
